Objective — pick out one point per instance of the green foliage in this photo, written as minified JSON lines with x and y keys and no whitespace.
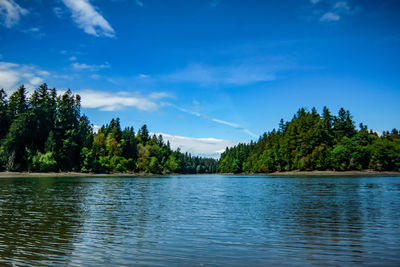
{"x":15,"y":143}
{"x":172,"y":164}
{"x":4,"y":114}
{"x":47,"y":133}
{"x":154,"y":166}
{"x":88,"y":160}
{"x":385,"y":155}
{"x":44,"y":162}
{"x":311,"y":141}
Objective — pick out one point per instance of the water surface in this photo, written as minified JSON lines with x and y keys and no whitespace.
{"x":200,"y":220}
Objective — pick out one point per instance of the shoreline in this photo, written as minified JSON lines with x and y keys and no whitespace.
{"x":332,"y":173}
{"x":288,"y":173}
{"x":68,"y":174}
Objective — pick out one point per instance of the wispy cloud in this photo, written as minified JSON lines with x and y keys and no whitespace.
{"x":139,"y":3}
{"x":88,"y":19}
{"x":107,"y":101}
{"x":341,"y":5}
{"x":215,"y":3}
{"x":35,"y":32}
{"x":206,"y":147}
{"x":332,"y":11}
{"x":58,"y":12}
{"x":159,"y":95}
{"x":11,"y":12}
{"x":228,"y":75}
{"x":330,"y":16}
{"x":219,"y":121}
{"x":83,"y":66}
{"x":143,"y":76}
{"x":12,"y":75}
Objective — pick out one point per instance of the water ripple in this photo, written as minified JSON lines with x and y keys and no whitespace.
{"x":200,"y":220}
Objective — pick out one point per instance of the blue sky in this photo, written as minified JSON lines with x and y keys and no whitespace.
{"x":208,"y":74}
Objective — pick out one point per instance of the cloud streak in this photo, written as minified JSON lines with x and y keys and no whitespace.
{"x":88,"y":19}
{"x":139,"y":3}
{"x":206,"y":147}
{"x":35,"y":32}
{"x":11,"y":12}
{"x":83,"y":66}
{"x":223,"y":122}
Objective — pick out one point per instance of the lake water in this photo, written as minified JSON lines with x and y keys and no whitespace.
{"x":200,"y":220}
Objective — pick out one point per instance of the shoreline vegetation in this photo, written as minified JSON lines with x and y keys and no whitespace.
{"x":46,"y":133}
{"x":316,"y":142}
{"x":363,"y":173}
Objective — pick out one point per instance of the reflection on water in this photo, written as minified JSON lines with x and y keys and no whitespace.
{"x":197,"y":220}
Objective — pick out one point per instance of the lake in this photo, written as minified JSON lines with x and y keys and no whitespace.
{"x":200,"y":220}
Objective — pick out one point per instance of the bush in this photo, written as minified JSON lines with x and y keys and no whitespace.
{"x":44,"y":162}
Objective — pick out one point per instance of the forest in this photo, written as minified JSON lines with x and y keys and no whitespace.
{"x":313,"y":141}
{"x":46,"y":132}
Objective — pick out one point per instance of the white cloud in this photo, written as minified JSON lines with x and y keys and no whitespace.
{"x":83,"y":66}
{"x":330,"y":16}
{"x":12,"y":75}
{"x":206,"y":147}
{"x":9,"y":77}
{"x":230,"y":75}
{"x":88,"y":19}
{"x":108,"y":101}
{"x":73,"y":58}
{"x":34,"y":80}
{"x":96,"y":128}
{"x":314,"y":1}
{"x":11,"y":12}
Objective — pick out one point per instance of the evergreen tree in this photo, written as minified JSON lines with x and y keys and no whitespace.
{"x":315,"y":142}
{"x":4,"y":115}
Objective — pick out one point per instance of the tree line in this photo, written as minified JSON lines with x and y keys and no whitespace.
{"x":313,"y":141}
{"x":46,"y":132}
